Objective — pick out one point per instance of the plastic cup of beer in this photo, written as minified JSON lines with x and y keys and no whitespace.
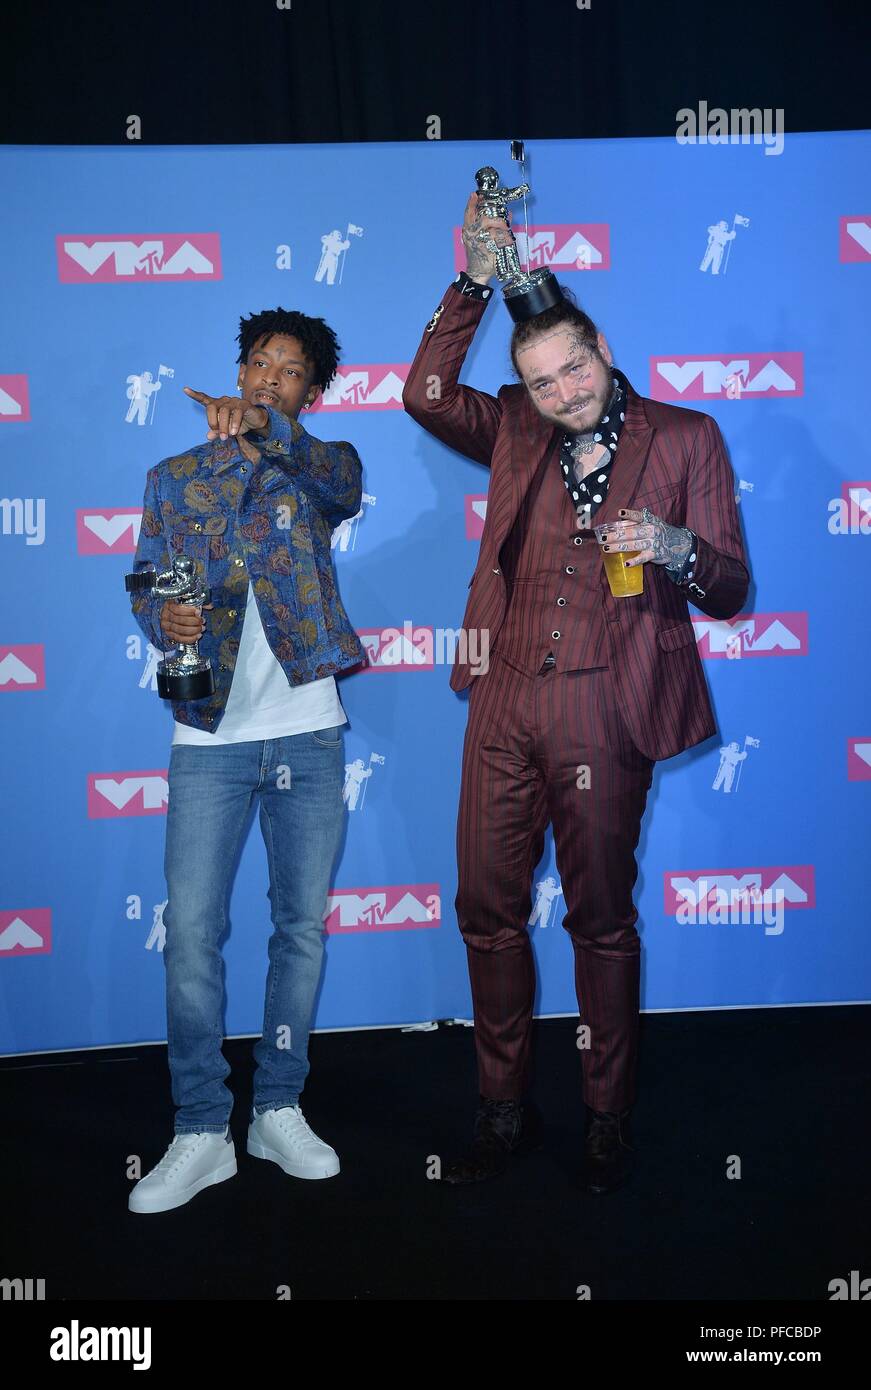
{"x":622,"y":582}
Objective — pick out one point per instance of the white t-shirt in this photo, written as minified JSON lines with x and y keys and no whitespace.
{"x":262,"y":704}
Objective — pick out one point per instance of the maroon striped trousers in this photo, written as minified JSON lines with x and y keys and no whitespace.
{"x":527,"y":741}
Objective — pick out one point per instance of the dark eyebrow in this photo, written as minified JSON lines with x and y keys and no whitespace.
{"x":266,"y":352}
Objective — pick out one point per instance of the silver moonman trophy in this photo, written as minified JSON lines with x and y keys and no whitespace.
{"x":187,"y":675}
{"x":526,"y":292}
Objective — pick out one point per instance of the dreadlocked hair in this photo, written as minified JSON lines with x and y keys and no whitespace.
{"x":319,"y":344}
{"x":565,"y":312}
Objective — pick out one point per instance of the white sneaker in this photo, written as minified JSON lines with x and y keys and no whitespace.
{"x":284,"y":1137}
{"x":192,"y":1162}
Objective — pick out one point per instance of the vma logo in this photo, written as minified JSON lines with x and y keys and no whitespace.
{"x":558,"y":246}
{"x":859,"y":759}
{"x":103,"y":260}
{"x":855,"y":239}
{"x":792,"y":884}
{"x":112,"y":794}
{"x":371,"y":387}
{"x":14,"y":399}
{"x":26,"y":933}
{"x":476,"y":515}
{"x":394,"y":649}
{"x":729,"y":378}
{"x":398,"y":907}
{"x":753,"y":634}
{"x":112,"y":532}
{"x":22,"y":668}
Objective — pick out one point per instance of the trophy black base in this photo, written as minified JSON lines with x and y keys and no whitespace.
{"x":199,"y":685}
{"x":529,"y":301}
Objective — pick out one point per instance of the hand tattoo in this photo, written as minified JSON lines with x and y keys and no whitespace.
{"x":654,"y":539}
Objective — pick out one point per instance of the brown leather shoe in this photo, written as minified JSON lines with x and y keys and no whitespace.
{"x":502,"y":1128}
{"x":608,"y":1152}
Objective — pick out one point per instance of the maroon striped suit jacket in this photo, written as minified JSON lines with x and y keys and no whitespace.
{"x":670,"y":459}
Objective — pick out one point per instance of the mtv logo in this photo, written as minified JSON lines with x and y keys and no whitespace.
{"x":375,"y":386}
{"x":476,"y":515}
{"x":858,"y":499}
{"x":855,"y":239}
{"x":14,"y":399}
{"x":397,"y":907}
{"x":389,"y":649}
{"x":859,"y":759}
{"x":92,"y":260}
{"x":22,"y":668}
{"x":113,"y":794}
{"x":112,"y":532}
{"x":558,"y":246}
{"x":792,"y":885}
{"x":26,"y":933}
{"x":727,"y":378}
{"x":753,"y":634}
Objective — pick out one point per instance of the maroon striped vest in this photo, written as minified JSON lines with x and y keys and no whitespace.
{"x":555,"y":574}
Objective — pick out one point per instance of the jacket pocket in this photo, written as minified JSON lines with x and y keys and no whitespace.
{"x":670,"y":638}
{"x":657,"y":497}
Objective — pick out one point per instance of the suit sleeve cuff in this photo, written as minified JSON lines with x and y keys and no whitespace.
{"x":467,"y":286}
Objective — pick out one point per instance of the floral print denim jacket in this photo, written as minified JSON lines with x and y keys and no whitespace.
{"x":271,"y":523}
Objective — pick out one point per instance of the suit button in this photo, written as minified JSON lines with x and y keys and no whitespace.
{"x":197,"y":526}
{"x":238,"y":562}
{"x":556,"y":636}
{"x":570,"y":569}
{"x":561,"y":603}
{"x":231,"y":612}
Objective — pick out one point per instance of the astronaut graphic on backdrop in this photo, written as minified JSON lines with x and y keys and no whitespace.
{"x":718,"y":236}
{"x":140,"y":389}
{"x":546,"y":893}
{"x":332,"y":245}
{"x":157,"y":935}
{"x":729,"y":770}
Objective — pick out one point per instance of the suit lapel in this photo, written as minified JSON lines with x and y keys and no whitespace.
{"x":629,"y":460}
{"x":529,"y":444}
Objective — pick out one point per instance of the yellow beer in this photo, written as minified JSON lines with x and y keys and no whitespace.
{"x":622,"y":581}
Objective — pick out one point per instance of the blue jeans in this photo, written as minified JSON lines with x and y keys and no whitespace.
{"x":299,"y":783}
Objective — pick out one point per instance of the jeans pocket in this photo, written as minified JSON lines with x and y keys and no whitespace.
{"x":328,"y":738}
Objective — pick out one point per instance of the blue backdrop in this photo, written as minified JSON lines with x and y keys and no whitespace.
{"x":128,"y":270}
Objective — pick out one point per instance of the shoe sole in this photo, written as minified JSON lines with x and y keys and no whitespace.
{"x":257,"y":1149}
{"x":145,"y":1206}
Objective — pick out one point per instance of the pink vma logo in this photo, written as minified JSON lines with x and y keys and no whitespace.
{"x":753,"y":634}
{"x":26,"y":933}
{"x":730,"y":378}
{"x":859,"y":759}
{"x":112,"y":794}
{"x":791,"y":884}
{"x":855,"y":239}
{"x":14,"y":399}
{"x":476,"y":515}
{"x":398,"y":907}
{"x":370,"y":387}
{"x":111,"y":532}
{"x":22,"y":668}
{"x":101,"y":260}
{"x":408,"y":648}
{"x":558,"y":246}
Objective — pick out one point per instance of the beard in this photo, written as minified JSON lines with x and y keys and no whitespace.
{"x":590,"y":419}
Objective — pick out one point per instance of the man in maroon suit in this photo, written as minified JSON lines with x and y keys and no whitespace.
{"x":583,"y":691}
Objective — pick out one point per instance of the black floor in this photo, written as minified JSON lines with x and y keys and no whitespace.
{"x":784,"y":1090}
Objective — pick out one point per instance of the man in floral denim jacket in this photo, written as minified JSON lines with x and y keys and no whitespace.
{"x":254,"y":508}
